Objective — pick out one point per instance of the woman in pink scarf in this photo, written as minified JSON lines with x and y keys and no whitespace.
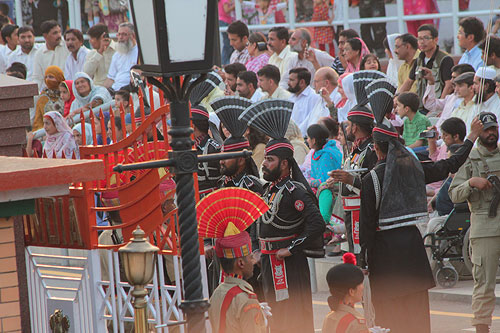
{"x":66,"y":92}
{"x":59,"y":137}
{"x":417,"y":7}
{"x":354,"y":50}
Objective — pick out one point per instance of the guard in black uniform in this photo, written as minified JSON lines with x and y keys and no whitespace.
{"x":208,"y":172}
{"x":393,"y":200}
{"x":292,"y":229}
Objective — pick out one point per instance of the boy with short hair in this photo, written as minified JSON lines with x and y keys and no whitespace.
{"x":122,"y":97}
{"x":407,"y":106}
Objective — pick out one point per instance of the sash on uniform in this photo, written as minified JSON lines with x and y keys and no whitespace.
{"x":279,"y":278}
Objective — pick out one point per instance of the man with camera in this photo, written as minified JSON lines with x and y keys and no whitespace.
{"x":477,"y":182}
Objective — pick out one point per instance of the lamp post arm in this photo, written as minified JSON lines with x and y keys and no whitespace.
{"x":144,"y":165}
{"x":223,"y":156}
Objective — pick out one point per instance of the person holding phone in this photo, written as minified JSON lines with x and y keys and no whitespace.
{"x":98,"y":60}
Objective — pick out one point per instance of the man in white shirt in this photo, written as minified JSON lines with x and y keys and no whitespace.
{"x":76,"y":59}
{"x":98,"y":60}
{"x":238,"y":39}
{"x":246,"y":86}
{"x":26,"y":51}
{"x":278,"y":43}
{"x":486,"y":98}
{"x":470,"y":34}
{"x":52,"y":53}
{"x":493,"y":56}
{"x":304,"y":98}
{"x":269,"y":78}
{"x":305,"y":56}
{"x":10,"y":36}
{"x":326,"y":85}
{"x":124,"y":58}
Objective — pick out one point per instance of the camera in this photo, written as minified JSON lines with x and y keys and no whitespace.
{"x":429,"y":134}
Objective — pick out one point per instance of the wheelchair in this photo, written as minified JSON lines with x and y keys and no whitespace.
{"x":451,"y":243}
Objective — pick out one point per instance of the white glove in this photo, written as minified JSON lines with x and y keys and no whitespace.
{"x":378,"y":329}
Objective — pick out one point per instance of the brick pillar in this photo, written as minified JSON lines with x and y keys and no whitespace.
{"x":16,"y":97}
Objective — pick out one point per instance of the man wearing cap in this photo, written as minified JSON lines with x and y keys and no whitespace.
{"x":486,"y":98}
{"x":208,"y":172}
{"x":464,"y":89}
{"x":292,"y":229}
{"x":360,"y":123}
{"x":471,"y":184}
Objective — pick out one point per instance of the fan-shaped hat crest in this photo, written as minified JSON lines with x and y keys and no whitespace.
{"x":270,"y":116}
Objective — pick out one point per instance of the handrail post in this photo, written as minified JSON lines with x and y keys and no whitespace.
{"x":400,"y":13}
{"x":454,"y":11}
{"x":291,"y":13}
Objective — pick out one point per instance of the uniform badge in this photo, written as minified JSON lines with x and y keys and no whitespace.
{"x":299,"y":205}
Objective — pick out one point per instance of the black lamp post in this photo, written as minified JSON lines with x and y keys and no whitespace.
{"x":175,"y":38}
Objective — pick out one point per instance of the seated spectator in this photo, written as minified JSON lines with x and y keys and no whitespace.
{"x":124,"y":58}
{"x":88,"y":96}
{"x":433,"y":59}
{"x":269,"y":78}
{"x":18,"y":70}
{"x":326,"y":157}
{"x":278,"y":43}
{"x":339,"y":63}
{"x":232,"y":70}
{"x":497,"y":82}
{"x":327,"y":86}
{"x":49,"y":99}
{"x":493,"y":56}
{"x":9,"y":34}
{"x":26,"y":51}
{"x":67,"y":96}
{"x":394,"y":63}
{"x":59,"y":137}
{"x":452,"y":132}
{"x":100,"y":133}
{"x":464,"y":88}
{"x":246,"y":86}
{"x":370,"y":62}
{"x":52,"y":53}
{"x":470,"y":34}
{"x":304,"y":55}
{"x":415,"y":122}
{"x":484,"y":87}
{"x":77,"y":134}
{"x":354,"y":51}
{"x":406,"y":49}
{"x":122,"y":100}
{"x":238,"y":39}
{"x":444,"y":106}
{"x":76,"y":59}
{"x":347,"y":87}
{"x":98,"y":60}
{"x":304,"y":99}
{"x":258,"y":51}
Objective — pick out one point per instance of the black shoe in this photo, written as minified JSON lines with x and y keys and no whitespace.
{"x":482,"y":328}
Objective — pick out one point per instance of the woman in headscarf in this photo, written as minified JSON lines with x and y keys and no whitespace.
{"x":87,"y":95}
{"x":49,"y":98}
{"x":67,"y":96}
{"x":354,"y":50}
{"x":77,"y":134}
{"x":394,"y":62}
{"x":59,"y":137}
{"x":348,"y":88}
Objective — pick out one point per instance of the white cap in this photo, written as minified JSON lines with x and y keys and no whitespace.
{"x":487,"y":73}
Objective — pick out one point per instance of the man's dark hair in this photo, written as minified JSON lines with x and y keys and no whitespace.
{"x":454,"y":126}
{"x":349,"y":33}
{"x":118,"y":123}
{"x":429,"y":27}
{"x":331,"y":125}
{"x":15,"y":74}
{"x":227,"y":264}
{"x":462,"y":68}
{"x":234,"y":69}
{"x":494,"y":46}
{"x":97,"y":30}
{"x":473,"y":26}
{"x":22,"y":30}
{"x":18,"y":67}
{"x":123,"y":93}
{"x":248,"y":77}
{"x":78,"y":34}
{"x":489,"y":86}
{"x":255,"y":137}
{"x":410,"y":100}
{"x":281,"y":33}
{"x":238,"y":28}
{"x":320,"y":133}
{"x":271,"y":72}
{"x":8,"y":30}
{"x":409,"y":39}
{"x":356,"y":44}
{"x":4,"y":8}
{"x":383,"y":146}
{"x":302,"y":73}
{"x":46,"y":26}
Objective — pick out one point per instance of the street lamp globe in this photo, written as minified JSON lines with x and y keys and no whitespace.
{"x":176,"y":37}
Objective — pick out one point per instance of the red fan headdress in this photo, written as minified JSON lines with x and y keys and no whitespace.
{"x":225,"y":214}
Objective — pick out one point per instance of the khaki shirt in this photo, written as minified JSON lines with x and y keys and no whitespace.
{"x":479,"y":201}
{"x":354,"y":321}
{"x":279,"y":93}
{"x":404,"y":73}
{"x":97,"y":65}
{"x":244,"y":314}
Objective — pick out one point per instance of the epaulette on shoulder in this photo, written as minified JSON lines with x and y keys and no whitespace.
{"x":251,"y":180}
{"x":292,"y":185}
{"x":214,"y":143}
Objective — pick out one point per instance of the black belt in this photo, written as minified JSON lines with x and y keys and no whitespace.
{"x":271,"y":244}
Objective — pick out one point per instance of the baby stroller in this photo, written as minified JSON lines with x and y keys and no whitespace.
{"x":451,"y":242}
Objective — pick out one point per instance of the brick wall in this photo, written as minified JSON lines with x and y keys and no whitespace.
{"x":10,"y":320}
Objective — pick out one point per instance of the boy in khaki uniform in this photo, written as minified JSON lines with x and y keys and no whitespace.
{"x":233,"y":306}
{"x":471,"y":184}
